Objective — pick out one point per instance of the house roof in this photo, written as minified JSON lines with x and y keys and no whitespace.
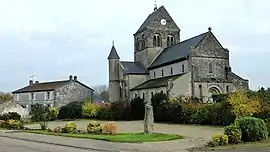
{"x":177,"y":51}
{"x":134,"y":68}
{"x":113,"y":54}
{"x":156,"y":83}
{"x":151,"y":17}
{"x":46,"y":86}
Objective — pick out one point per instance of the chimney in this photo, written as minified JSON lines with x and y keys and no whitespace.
{"x":37,"y":82}
{"x":75,"y":78}
{"x":70,"y":77}
{"x":30,"y":82}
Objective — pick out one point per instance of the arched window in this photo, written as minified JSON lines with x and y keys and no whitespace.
{"x":183,"y":68}
{"x":138,"y":44}
{"x":143,"y":95}
{"x":171,"y":70}
{"x":157,"y":40}
{"x":170,"y":40}
{"x":154,"y":74}
{"x":210,"y":68}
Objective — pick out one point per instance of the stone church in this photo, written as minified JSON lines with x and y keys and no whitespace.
{"x":198,"y":66}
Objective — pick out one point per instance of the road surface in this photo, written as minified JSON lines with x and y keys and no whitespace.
{"x":14,"y":145}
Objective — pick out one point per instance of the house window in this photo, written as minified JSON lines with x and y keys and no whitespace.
{"x":154,"y":74}
{"x":32,"y":96}
{"x":48,"y":95}
{"x":210,"y":68}
{"x":171,"y":70}
{"x":162,"y":73}
{"x":183,"y":68}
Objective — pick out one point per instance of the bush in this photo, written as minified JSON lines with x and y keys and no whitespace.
{"x":11,"y":115}
{"x":94,"y":128}
{"x":220,"y":140}
{"x":39,"y":113}
{"x":5,"y":97}
{"x":136,"y":109}
{"x":53,"y":113}
{"x":104,"y":112}
{"x":89,"y":110}
{"x":120,"y":110}
{"x":70,"y":127}
{"x":71,"y":111}
{"x":43,"y":125}
{"x":57,"y":129}
{"x":253,"y":129}
{"x":109,"y":128}
{"x":13,"y":124}
{"x":2,"y":123}
{"x":234,"y":133}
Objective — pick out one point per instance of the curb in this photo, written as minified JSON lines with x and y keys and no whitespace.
{"x":63,"y":145}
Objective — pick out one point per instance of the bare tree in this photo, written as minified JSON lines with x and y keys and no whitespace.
{"x":101,"y":91}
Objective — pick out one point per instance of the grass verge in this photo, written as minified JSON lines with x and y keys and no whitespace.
{"x":121,"y":137}
{"x":248,"y":145}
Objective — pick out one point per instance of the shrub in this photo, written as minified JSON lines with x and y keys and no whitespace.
{"x":253,"y":129}
{"x":94,"y":128}
{"x":39,"y":113}
{"x":234,"y":133}
{"x":220,"y":140}
{"x":109,"y":128}
{"x":242,"y":105}
{"x":11,"y":115}
{"x":89,"y":110}
{"x":57,"y":129}
{"x":136,"y":109}
{"x":53,"y":113}
{"x":13,"y":124}
{"x":5,"y":97}
{"x":2,"y":123}
{"x":104,"y":112}
{"x":43,"y":125}
{"x":71,"y":111}
{"x":70,"y":127}
{"x":120,"y":110}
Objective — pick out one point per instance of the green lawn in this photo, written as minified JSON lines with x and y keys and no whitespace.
{"x":121,"y":137}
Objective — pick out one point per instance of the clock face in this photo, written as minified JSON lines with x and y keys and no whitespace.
{"x":163,"y":22}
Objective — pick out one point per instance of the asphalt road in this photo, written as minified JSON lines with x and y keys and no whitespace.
{"x":14,"y":145}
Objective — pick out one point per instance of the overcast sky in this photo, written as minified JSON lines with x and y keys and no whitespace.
{"x":56,"y":38}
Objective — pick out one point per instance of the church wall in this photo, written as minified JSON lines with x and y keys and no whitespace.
{"x":177,"y":69}
{"x":135,"y":80}
{"x":147,"y":93}
{"x":181,"y":86}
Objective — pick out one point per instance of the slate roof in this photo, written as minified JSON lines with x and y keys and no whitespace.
{"x":156,"y":83}
{"x":45,"y":86}
{"x":134,"y":68}
{"x":151,"y":17}
{"x":177,"y":52}
{"x":113,"y":54}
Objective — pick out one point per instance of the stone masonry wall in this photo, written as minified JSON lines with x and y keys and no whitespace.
{"x":72,"y":92}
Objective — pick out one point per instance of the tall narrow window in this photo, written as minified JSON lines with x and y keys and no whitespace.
{"x":48,"y":95}
{"x":172,"y":40}
{"x":138,"y":44}
{"x":168,"y":41}
{"x":227,"y":89}
{"x":158,"y":41}
{"x":32,"y":96}
{"x":162,"y":73}
{"x":152,"y":94}
{"x":210,"y":68}
{"x":143,"y":41}
{"x":171,"y":70}
{"x":200,"y":88}
{"x":143,"y":95}
{"x":155,"y":41}
{"x":183,"y":68}
{"x":154,"y":74}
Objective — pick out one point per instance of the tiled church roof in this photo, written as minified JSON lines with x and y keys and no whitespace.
{"x":134,"y":68}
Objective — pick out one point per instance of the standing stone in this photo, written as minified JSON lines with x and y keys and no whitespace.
{"x":148,"y":118}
